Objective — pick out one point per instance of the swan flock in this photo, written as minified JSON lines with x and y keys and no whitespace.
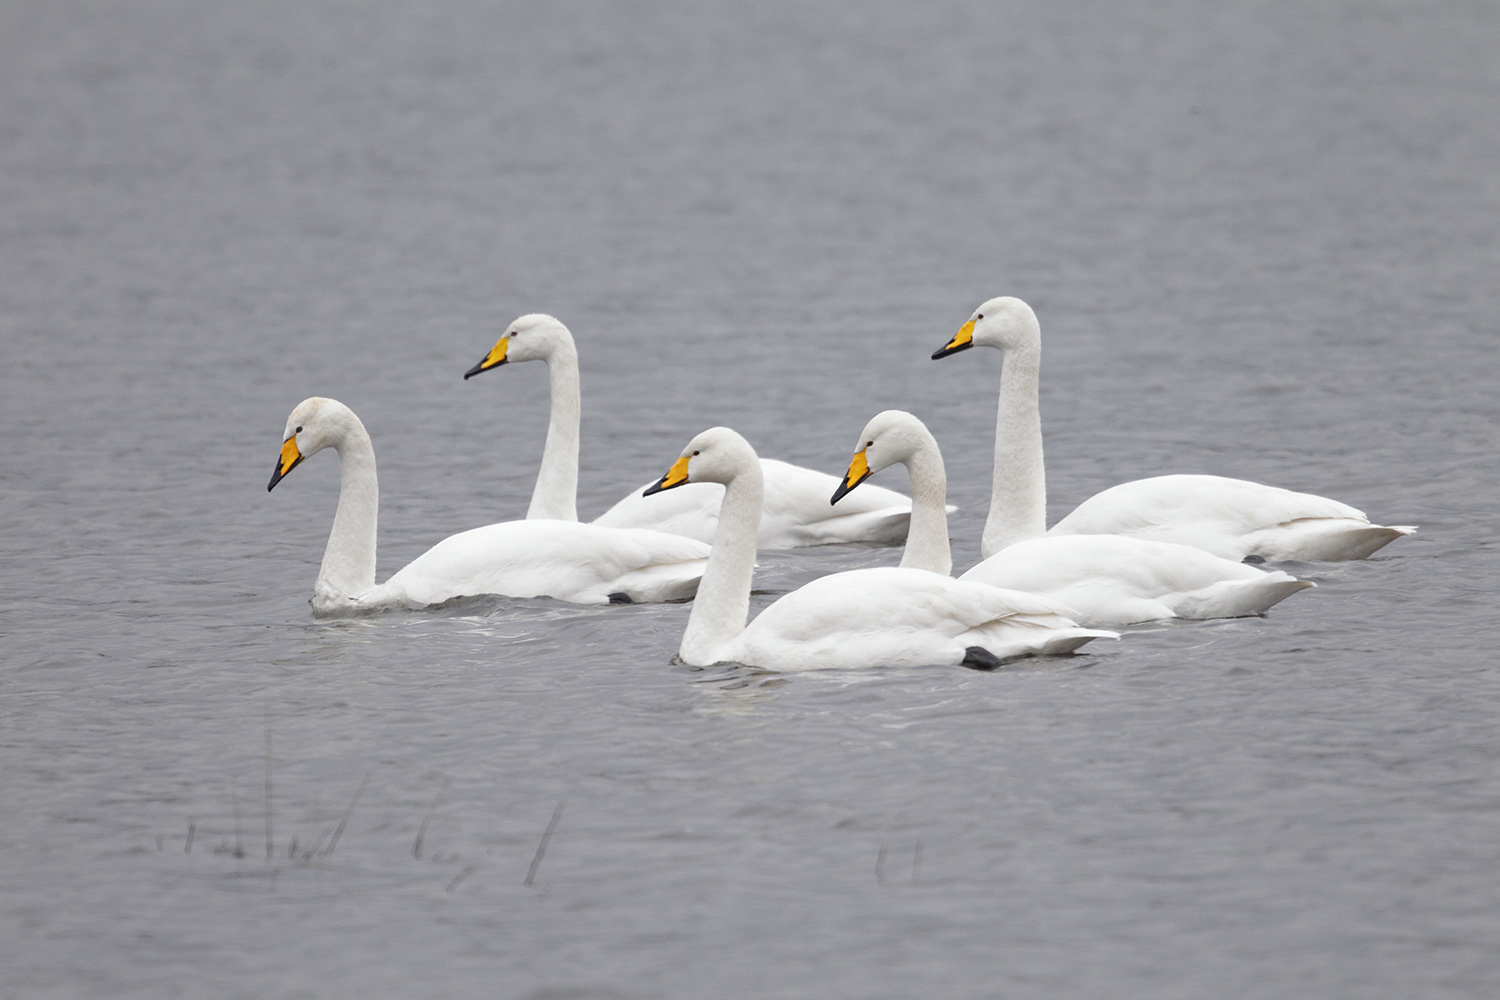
{"x":1170,"y":546}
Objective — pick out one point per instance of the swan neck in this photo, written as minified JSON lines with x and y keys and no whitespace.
{"x":348,"y":568}
{"x":1018,"y":498}
{"x":723,"y":603}
{"x":555,"y":497}
{"x":927,"y":537}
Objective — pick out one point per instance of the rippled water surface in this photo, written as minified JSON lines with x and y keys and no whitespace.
{"x":1262,"y":243}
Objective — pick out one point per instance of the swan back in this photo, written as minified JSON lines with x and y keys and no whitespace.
{"x":1232,"y":518}
{"x":895,"y":617}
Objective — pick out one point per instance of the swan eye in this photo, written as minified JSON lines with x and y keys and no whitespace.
{"x":980,"y":316}
{"x":297,"y":431}
{"x":695,"y":453}
{"x":869,"y":444}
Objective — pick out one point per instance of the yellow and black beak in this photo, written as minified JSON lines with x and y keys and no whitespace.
{"x":859,"y":471}
{"x":676,"y":476}
{"x":494,"y":359}
{"x":289,"y":460}
{"x":962,"y":341}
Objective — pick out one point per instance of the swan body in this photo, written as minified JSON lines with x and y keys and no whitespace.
{"x":1119,"y":580}
{"x":796,"y":513}
{"x":582,"y":563}
{"x":1103,"y":580}
{"x":1232,"y":518}
{"x":889,"y":616}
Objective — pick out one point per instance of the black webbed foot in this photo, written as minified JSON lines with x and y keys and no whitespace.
{"x":979,"y":658}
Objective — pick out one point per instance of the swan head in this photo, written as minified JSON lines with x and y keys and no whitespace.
{"x":1005,"y":322}
{"x":315,"y":424}
{"x":717,"y":455}
{"x":533,"y":337}
{"x":891,"y":436}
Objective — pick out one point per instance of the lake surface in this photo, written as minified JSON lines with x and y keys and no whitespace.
{"x":1262,"y":242}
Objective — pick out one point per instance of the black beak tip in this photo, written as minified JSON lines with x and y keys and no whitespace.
{"x":278,"y":474}
{"x":473,"y":371}
{"x":652,"y":489}
{"x":943,"y":352}
{"x":845,"y":488}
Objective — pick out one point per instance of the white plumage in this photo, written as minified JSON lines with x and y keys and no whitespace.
{"x":1118,"y":580}
{"x":796,"y":512}
{"x":860,"y":618}
{"x":1102,"y":580}
{"x":901,"y":618}
{"x":582,"y":563}
{"x":1232,"y":518}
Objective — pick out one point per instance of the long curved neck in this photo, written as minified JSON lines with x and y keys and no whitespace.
{"x":556,"y":495}
{"x":927,"y":537}
{"x":1018,"y":500}
{"x":349,"y":560}
{"x":723,"y":602}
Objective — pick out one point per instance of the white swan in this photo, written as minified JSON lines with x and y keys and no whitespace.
{"x":574,"y":562}
{"x":860,"y":618}
{"x":795,"y":514}
{"x":1232,"y":518}
{"x":1105,"y":580}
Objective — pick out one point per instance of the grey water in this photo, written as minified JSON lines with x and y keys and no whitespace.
{"x":1262,"y":240}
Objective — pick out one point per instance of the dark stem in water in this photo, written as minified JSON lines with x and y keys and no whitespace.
{"x":269,"y":843}
{"x":239,"y":847}
{"x":541,"y":849}
{"x":416,"y":847}
{"x":338,"y":831}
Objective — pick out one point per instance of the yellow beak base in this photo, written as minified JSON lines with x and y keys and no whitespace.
{"x":962,"y":341}
{"x":676,"y":476}
{"x":494,"y":359}
{"x":859,"y":471}
{"x":288,"y":460}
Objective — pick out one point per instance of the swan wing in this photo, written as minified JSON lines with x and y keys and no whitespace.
{"x":901,"y":617}
{"x":583,"y":563}
{"x":796,"y":511}
{"x":1119,"y":579}
{"x":690,"y":510}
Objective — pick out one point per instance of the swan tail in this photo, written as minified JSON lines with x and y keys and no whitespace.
{"x":1239,"y":598}
{"x":999,"y":650}
{"x":1326,"y":540}
{"x":1069,"y":640}
{"x":658,"y":583}
{"x":1060,"y":644}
